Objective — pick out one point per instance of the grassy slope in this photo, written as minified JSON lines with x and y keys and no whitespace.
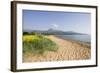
{"x":38,"y":44}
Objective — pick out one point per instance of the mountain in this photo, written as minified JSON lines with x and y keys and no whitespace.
{"x":53,"y":32}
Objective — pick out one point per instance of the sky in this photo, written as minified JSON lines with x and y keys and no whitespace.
{"x":65,"y":21}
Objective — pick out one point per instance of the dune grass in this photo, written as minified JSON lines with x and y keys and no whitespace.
{"x":38,"y":44}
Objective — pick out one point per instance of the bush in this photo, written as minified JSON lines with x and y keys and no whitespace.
{"x":39,"y":45}
{"x":25,"y":33}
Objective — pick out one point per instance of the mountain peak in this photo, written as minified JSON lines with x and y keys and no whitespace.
{"x":51,"y":29}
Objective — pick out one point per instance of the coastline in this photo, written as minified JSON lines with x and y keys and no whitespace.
{"x":68,"y":50}
{"x":88,"y":44}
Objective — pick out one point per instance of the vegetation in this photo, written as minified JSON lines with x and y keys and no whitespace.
{"x":37,"y":44}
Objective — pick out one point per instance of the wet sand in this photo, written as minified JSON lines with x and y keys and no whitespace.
{"x":68,"y":50}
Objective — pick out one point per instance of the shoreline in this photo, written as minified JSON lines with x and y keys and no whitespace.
{"x":74,"y":41}
{"x":88,"y":44}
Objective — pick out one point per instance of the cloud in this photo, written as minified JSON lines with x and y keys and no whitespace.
{"x":55,"y":26}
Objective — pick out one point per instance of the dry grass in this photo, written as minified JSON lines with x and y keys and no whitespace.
{"x":68,"y":50}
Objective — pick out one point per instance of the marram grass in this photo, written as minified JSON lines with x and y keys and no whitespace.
{"x":38,"y":44}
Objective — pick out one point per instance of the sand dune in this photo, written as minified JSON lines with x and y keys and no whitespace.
{"x":68,"y":50}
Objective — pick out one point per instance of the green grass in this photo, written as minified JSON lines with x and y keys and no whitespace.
{"x":38,"y":44}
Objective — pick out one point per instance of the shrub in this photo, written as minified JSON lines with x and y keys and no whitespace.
{"x":39,"y":45}
{"x":25,"y":33}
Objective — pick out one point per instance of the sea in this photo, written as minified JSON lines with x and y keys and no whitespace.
{"x":82,"y":38}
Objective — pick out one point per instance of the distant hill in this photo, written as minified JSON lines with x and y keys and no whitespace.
{"x":53,"y":32}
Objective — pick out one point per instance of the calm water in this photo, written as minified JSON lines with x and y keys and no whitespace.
{"x":83,"y":38}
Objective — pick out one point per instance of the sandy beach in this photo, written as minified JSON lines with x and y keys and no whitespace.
{"x":68,"y":50}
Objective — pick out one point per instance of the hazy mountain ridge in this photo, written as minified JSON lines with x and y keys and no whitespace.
{"x":54,"y":32}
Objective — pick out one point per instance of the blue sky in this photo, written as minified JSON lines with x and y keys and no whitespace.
{"x":65,"y":21}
